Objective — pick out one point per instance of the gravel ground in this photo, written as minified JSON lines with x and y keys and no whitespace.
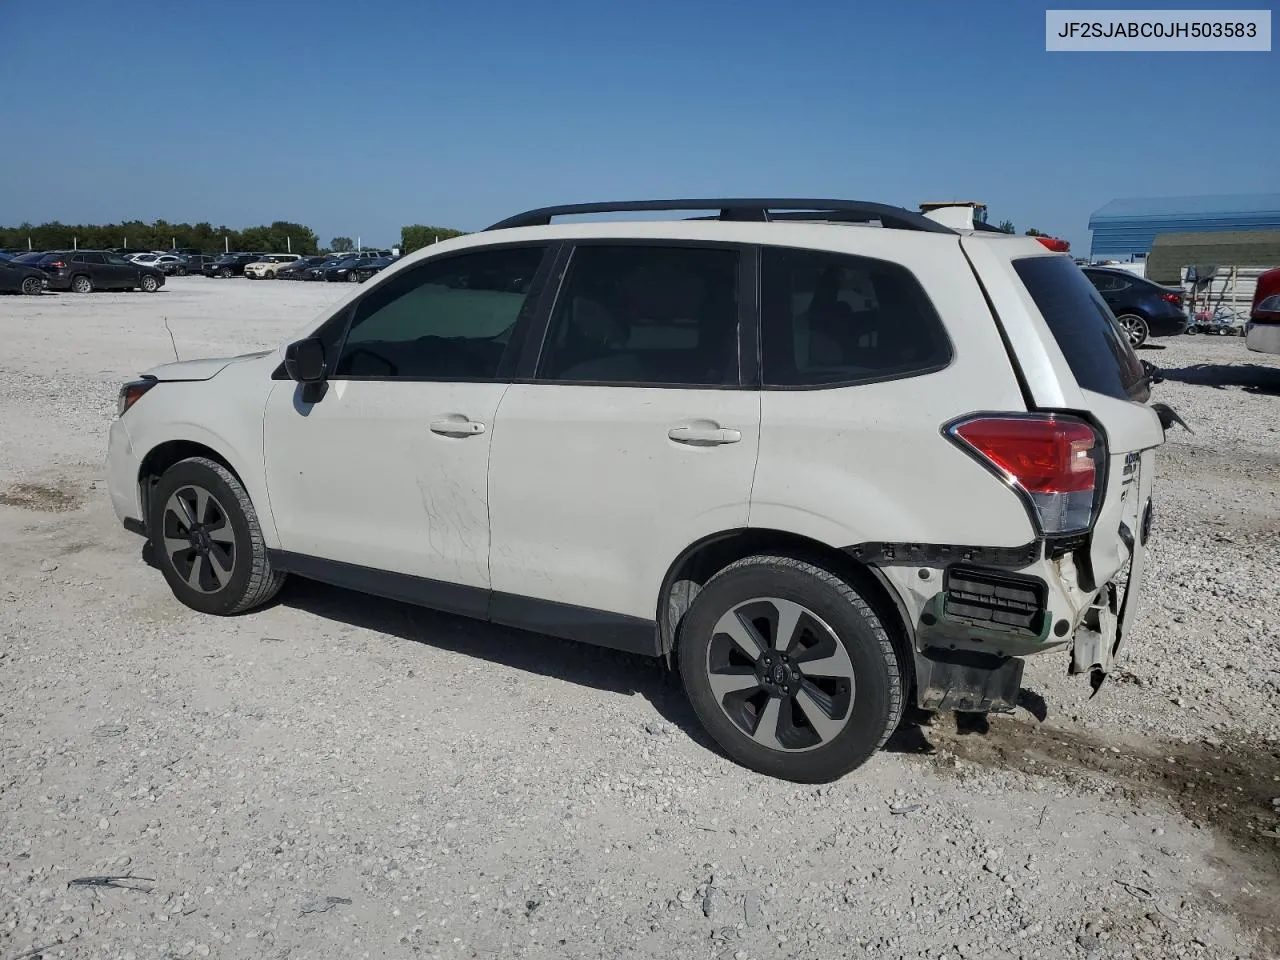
{"x":337,"y":776}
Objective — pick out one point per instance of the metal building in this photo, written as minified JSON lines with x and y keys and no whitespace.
{"x":1125,"y":228}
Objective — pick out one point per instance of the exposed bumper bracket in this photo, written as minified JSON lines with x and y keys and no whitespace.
{"x":966,"y":680}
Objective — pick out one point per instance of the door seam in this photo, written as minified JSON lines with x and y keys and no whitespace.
{"x":488,"y":499}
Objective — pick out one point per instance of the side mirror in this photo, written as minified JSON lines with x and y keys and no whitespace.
{"x":304,"y":360}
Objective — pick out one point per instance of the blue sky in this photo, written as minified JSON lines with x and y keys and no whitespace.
{"x":358,"y":118}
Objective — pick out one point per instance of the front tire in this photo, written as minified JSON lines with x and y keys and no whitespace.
{"x":207,"y":539}
{"x":225,"y":273}
{"x":789,"y":669}
{"x":149,"y":284}
{"x":1135,"y":328}
{"x":32,"y":286}
{"x":81,"y":284}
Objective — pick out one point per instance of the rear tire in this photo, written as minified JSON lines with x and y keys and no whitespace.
{"x":225,"y":273}
{"x":81,"y":284}
{"x":32,"y":286}
{"x":1135,"y":328}
{"x":207,"y":539}
{"x":789,"y":669}
{"x":149,"y":284}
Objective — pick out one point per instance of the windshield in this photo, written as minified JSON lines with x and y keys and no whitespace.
{"x":1093,"y":344}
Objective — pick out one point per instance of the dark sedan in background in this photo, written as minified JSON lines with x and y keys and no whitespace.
{"x":297,"y":269}
{"x":83,"y":271}
{"x":350,"y":269}
{"x":364,"y":269}
{"x":231,"y":264}
{"x":1145,"y":309}
{"x":319,"y":271}
{"x":18,"y":277}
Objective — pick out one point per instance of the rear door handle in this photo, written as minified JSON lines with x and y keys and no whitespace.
{"x":457,"y":426}
{"x":704,"y":436}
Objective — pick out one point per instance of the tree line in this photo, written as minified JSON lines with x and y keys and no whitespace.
{"x":280,"y":237}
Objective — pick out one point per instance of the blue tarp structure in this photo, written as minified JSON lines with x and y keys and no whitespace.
{"x":1123,"y":228}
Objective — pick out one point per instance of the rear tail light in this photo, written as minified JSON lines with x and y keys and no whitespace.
{"x":132,"y":392}
{"x":1174,"y":298}
{"x":58,"y":264}
{"x":1050,"y":460}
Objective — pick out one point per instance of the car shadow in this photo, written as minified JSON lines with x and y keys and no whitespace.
{"x":584,"y":664}
{"x":1253,"y":377}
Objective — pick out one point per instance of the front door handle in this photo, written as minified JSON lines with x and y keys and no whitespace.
{"x":709,"y":435}
{"x":457,"y":426}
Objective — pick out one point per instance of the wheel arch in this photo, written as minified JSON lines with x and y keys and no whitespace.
{"x":704,"y":558}
{"x":163,"y":456}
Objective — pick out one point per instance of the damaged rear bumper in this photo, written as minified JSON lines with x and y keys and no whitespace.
{"x":974,"y":613}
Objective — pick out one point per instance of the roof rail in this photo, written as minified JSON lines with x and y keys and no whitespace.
{"x":754,"y":209}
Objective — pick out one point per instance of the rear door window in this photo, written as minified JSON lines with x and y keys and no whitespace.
{"x":1092,"y":342}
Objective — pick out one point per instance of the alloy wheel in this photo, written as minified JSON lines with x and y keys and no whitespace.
{"x":780,"y":674}
{"x":198,"y":539}
{"x":1134,"y":328}
{"x":32,"y":286}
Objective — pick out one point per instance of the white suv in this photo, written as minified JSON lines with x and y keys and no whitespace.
{"x":270,"y":265}
{"x":828,"y":456}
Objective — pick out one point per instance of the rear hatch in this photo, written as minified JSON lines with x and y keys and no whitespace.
{"x":1073,"y":357}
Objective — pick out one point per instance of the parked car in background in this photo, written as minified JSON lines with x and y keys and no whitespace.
{"x":18,"y":277}
{"x":231,"y":264}
{"x":348,"y":269}
{"x":169,"y":263}
{"x":1262,"y":332}
{"x":266,"y":267}
{"x":295,"y":270}
{"x":320,"y":269}
{"x":364,"y":269}
{"x":195,"y":263}
{"x":83,"y":271}
{"x":1143,"y":308}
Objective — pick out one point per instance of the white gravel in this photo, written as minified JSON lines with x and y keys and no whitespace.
{"x":337,"y":776}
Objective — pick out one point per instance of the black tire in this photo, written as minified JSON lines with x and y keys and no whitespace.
{"x":148,"y":283}
{"x":182,"y":271}
{"x":1135,"y":328}
{"x":251,"y":581}
{"x":32,"y":286}
{"x":225,"y":273}
{"x":874,"y":698}
{"x":81,"y":284}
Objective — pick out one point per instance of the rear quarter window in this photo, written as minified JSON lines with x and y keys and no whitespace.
{"x":1092,"y":342}
{"x":833,"y":319}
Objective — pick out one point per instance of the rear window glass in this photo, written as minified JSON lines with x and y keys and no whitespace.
{"x":1095,"y":348}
